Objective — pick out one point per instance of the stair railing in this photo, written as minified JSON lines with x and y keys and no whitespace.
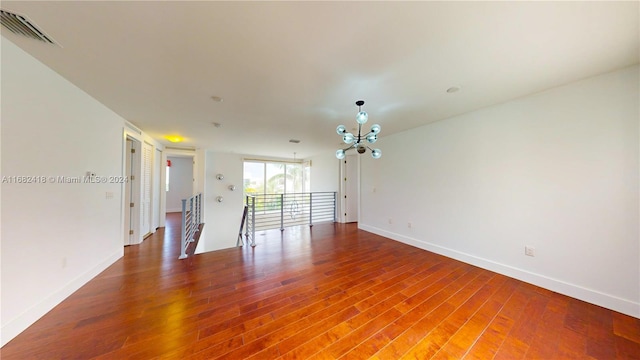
{"x":191,"y":222}
{"x":248,"y":222}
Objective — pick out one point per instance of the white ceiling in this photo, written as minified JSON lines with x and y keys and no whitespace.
{"x":293,"y":70}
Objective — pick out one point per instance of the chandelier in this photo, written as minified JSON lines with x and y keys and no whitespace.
{"x":358,"y":142}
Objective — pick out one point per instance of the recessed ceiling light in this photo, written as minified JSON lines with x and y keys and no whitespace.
{"x":295,"y":141}
{"x":453,"y":89}
{"x":217,"y":98}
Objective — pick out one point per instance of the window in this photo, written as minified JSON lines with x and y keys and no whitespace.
{"x":271,"y":177}
{"x":254,"y":177}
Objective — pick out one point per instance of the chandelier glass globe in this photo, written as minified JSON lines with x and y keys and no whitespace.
{"x":358,"y":141}
{"x":362,"y":117}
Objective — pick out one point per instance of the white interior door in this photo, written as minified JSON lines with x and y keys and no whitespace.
{"x":147,"y":164}
{"x":158,"y":168}
{"x":351,"y":180}
{"x":128,"y":193}
{"x":132,"y":196}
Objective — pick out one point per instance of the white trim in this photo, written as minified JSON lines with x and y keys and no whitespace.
{"x":273,"y":160}
{"x":133,"y":128}
{"x":15,"y":326}
{"x":624,"y":306}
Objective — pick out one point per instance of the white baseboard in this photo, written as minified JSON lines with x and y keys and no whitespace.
{"x":20,"y":323}
{"x":174,"y":210}
{"x":591,"y":296}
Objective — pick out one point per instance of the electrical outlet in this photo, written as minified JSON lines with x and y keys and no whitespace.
{"x":409,"y":225}
{"x":390,"y":221}
{"x":529,"y":251}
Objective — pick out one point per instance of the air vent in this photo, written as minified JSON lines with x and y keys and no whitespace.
{"x":20,"y":25}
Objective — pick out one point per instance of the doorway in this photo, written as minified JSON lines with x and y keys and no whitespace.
{"x":180,"y":184}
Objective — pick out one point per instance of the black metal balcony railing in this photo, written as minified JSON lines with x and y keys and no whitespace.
{"x":278,"y":211}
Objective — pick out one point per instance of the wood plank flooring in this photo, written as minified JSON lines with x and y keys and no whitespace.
{"x":329,"y":292}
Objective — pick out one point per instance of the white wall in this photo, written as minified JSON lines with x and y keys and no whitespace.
{"x":222,"y":219}
{"x":556,"y":170}
{"x":56,"y":236}
{"x":180,"y":182}
{"x":324,"y":172}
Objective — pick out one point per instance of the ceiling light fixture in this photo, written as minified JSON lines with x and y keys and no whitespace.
{"x":357,"y":142}
{"x":174,"y":138}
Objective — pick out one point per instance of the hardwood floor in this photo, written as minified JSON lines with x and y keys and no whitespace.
{"x":328,"y":292}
